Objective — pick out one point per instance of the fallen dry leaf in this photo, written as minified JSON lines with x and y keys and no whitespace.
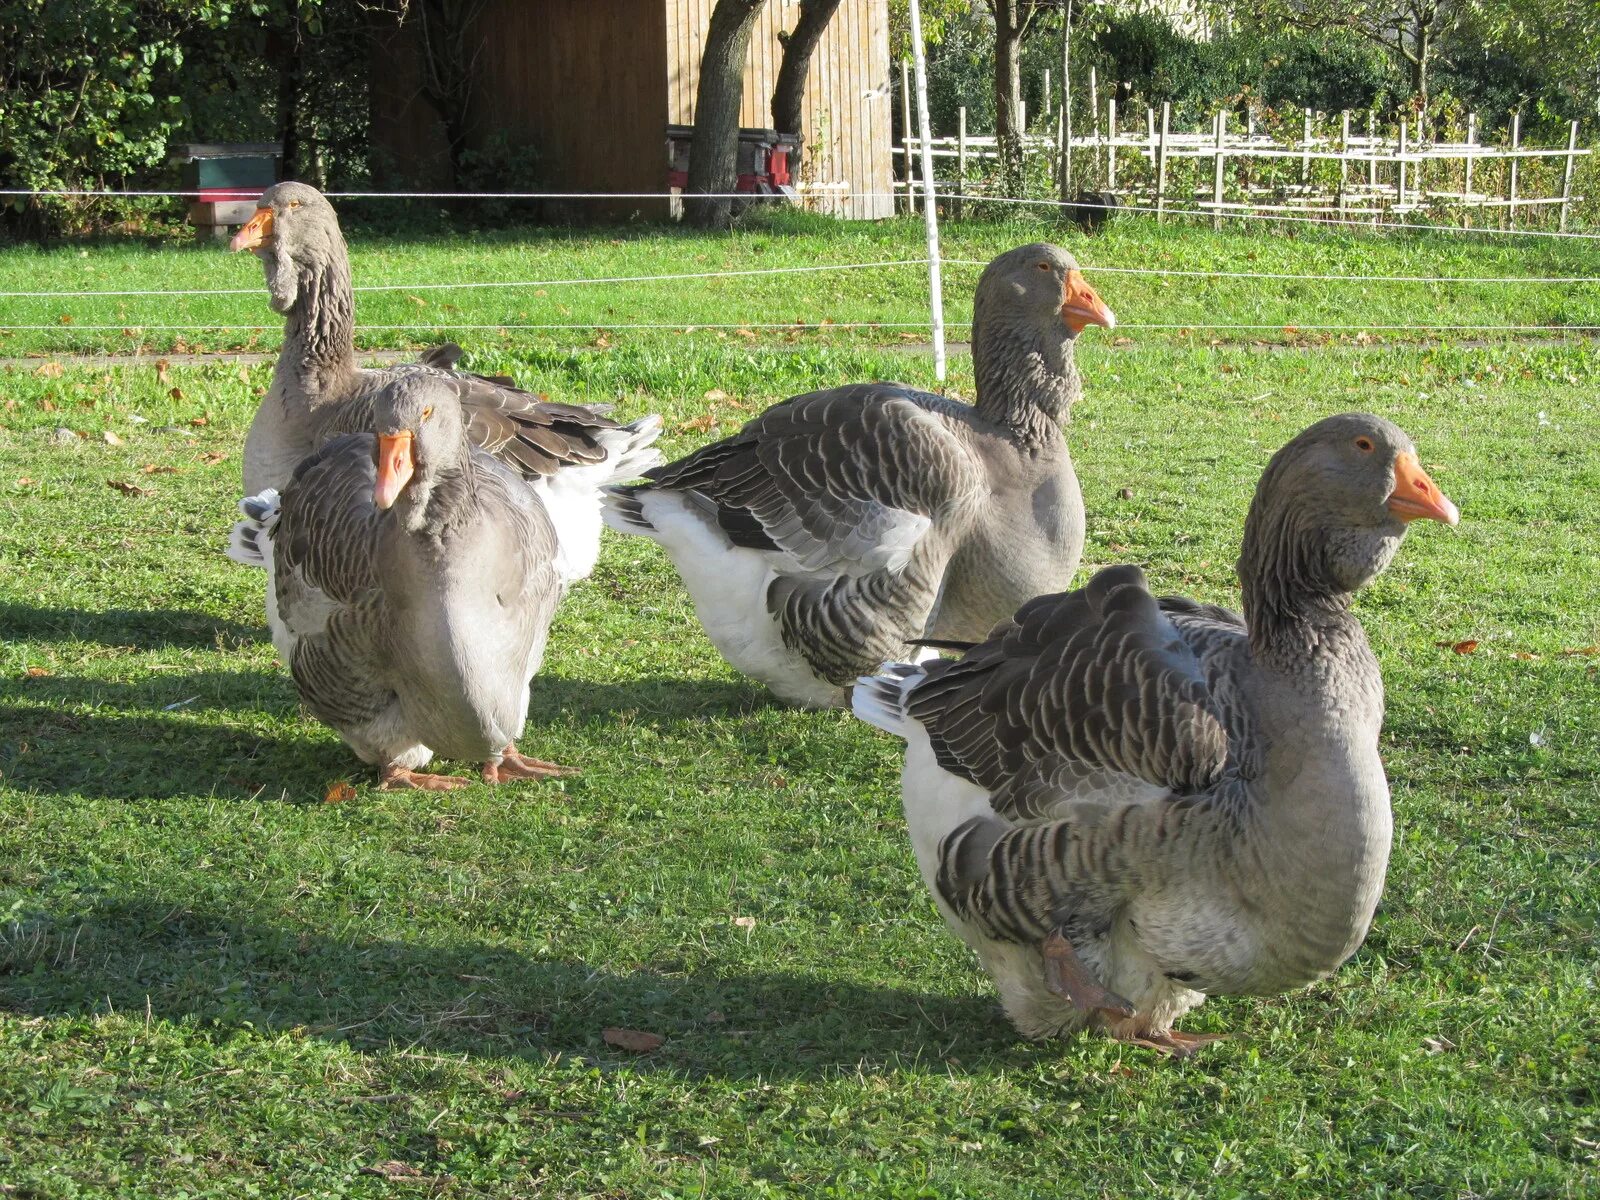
{"x":1584,"y":651}
{"x":47,"y":405}
{"x":127,"y":489}
{"x":338,"y":793}
{"x":1524,"y":656}
{"x":212,"y":457}
{"x":26,"y":482}
{"x":111,"y":438}
{"x":65,"y":318}
{"x":748,"y":334}
{"x":745,"y":922}
{"x":36,"y":673}
{"x":393,"y":1169}
{"x":601,"y":342}
{"x":701,"y":424}
{"x":162,"y":367}
{"x":1466,"y":647}
{"x":716,"y":394}
{"x":152,"y":469}
{"x":49,"y":370}
{"x":636,"y":1040}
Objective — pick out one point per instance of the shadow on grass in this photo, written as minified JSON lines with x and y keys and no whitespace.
{"x":48,"y":744}
{"x":219,"y":970}
{"x":143,"y":629}
{"x":124,"y":757}
{"x":659,"y":699}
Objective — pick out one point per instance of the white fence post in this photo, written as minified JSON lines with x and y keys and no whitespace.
{"x":1400,"y":163}
{"x":930,"y":210}
{"x":1111,"y":143}
{"x":961,"y":161}
{"x":1216,"y":176}
{"x":905,"y":135}
{"x":1344,"y":161}
{"x":1511,"y":183}
{"x":1472,"y":139}
{"x":1161,"y":162}
{"x":1305,"y":159}
{"x":1566,"y":176}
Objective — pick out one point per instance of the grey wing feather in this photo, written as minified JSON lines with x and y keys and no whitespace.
{"x":532,"y":435}
{"x":845,"y":480}
{"x":327,"y":585}
{"x":1091,"y":692}
{"x":866,"y":490}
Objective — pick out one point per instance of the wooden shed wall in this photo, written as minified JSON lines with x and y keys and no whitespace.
{"x":582,"y":82}
{"x":847,"y":105}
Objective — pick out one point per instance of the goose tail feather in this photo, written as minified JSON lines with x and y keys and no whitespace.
{"x":250,"y":539}
{"x":880,"y":700}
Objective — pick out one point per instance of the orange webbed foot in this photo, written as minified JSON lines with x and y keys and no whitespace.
{"x":395,"y":778}
{"x":1066,"y":975}
{"x":513,"y":765}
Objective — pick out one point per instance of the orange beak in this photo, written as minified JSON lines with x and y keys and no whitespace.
{"x":395,"y":467}
{"x":1415,"y":496}
{"x":1081,"y":305}
{"x":255,"y":233}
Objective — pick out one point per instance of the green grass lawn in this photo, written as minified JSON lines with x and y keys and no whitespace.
{"x":215,"y":983}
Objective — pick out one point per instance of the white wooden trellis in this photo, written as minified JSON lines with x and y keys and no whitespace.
{"x":1401,"y":157}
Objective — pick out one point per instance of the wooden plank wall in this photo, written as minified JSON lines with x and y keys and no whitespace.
{"x":847,"y":106}
{"x":584,"y":90}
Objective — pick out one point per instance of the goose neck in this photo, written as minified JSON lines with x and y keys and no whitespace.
{"x":319,"y":333}
{"x":1026,"y":380}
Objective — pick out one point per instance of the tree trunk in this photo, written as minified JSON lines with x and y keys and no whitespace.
{"x":287,"y":53}
{"x":714,"y":154}
{"x":1008,"y":25}
{"x":789,"y":93}
{"x":1419,"y":66}
{"x":445,"y":28}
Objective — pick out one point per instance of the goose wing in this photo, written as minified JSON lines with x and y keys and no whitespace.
{"x":1099,"y":693}
{"x":844,"y":482}
{"x":533,"y":435}
{"x":325,"y":574}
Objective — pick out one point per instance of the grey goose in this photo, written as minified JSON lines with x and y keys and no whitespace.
{"x":1124,"y":804}
{"x":414,"y":578}
{"x":318,"y":391}
{"x":838,"y":526}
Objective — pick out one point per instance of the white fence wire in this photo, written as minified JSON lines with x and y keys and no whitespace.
{"x":134,"y":327}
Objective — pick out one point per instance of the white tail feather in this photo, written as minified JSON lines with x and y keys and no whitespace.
{"x":250,"y":540}
{"x":880,"y":700}
{"x":572,"y":496}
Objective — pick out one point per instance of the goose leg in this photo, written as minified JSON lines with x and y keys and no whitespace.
{"x":1174,"y":1042}
{"x":512,"y":765}
{"x":1065,"y":975}
{"x":395,"y":778}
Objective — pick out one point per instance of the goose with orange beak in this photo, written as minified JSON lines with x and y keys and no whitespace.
{"x":414,"y":582}
{"x":319,"y":391}
{"x":839,"y":527}
{"x":1125,"y":804}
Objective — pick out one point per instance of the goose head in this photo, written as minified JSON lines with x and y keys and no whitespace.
{"x":1040,"y":289}
{"x":421,"y":433}
{"x":1031,"y":304}
{"x":1331,"y":510}
{"x":294,"y":233}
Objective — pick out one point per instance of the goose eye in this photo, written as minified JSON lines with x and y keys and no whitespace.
{"x":427,"y":412}
{"x":1364,"y":444}
{"x":1044,"y":266}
